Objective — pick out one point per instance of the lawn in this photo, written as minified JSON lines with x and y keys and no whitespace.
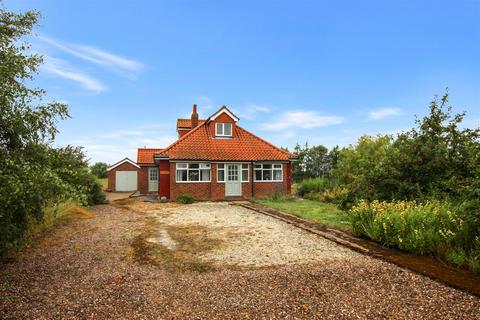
{"x":325,"y":213}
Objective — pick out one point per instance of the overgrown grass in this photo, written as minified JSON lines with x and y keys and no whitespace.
{"x":325,"y":213}
{"x":311,"y":185}
{"x":53,"y":216}
{"x":56,"y":215}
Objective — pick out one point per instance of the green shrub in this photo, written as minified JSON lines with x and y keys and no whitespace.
{"x":184,"y":198}
{"x":335,"y":195}
{"x":312,"y":195}
{"x":95,"y":194}
{"x":277,"y":196}
{"x":433,"y":227}
{"x":408,"y":225}
{"x":311,"y":185}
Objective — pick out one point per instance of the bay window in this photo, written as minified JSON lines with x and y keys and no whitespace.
{"x":193,"y":172}
{"x":268,"y":172}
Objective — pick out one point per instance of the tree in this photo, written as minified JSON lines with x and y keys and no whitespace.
{"x":33,"y":175}
{"x":99,"y":169}
{"x":314,"y":161}
{"x":362,"y":165}
{"x":437,"y":157}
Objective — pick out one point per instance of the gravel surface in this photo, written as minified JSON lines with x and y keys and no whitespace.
{"x":250,"y":239}
{"x":89,"y":269}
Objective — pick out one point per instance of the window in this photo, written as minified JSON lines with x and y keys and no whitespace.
{"x":268,"y":172}
{"x":193,"y":172}
{"x":221,"y":172}
{"x":245,"y":172}
{"x":153,"y":172}
{"x":223,"y":129}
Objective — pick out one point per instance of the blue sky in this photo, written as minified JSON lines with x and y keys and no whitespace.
{"x":322,"y":72}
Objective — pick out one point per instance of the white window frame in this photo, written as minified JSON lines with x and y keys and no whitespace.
{"x":241,"y":169}
{"x":271,"y":170}
{"x":186,"y":166}
{"x":222,"y":124}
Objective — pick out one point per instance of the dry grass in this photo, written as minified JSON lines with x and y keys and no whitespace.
{"x":190,"y":242}
{"x":57,"y":215}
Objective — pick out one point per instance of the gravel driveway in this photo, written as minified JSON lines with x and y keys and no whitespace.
{"x":209,"y":261}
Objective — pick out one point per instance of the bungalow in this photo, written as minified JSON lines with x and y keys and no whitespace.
{"x":212,"y":159}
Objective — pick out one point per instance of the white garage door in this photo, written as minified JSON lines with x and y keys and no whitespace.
{"x":126,"y":181}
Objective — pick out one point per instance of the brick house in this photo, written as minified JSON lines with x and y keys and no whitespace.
{"x":212,"y":159}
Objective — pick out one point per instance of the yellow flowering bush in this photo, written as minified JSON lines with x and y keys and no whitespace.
{"x":421,"y":228}
{"x":334,"y":195}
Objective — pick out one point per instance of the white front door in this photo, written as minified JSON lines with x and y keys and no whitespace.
{"x":152,"y":179}
{"x":233,"y":185}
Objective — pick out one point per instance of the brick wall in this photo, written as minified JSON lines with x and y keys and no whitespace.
{"x":216,"y":191}
{"x":123,"y":167}
{"x":143,"y":180}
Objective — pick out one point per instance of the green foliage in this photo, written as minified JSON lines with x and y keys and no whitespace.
{"x":99,"y":169}
{"x":71,"y":166}
{"x":277,"y":196}
{"x":362,"y":166}
{"x":33,"y":175}
{"x":418,"y":228}
{"x":313,"y":162}
{"x":432,"y":227}
{"x":184,"y":198}
{"x":337,"y":195}
{"x":311,"y":185}
{"x":437,"y":158}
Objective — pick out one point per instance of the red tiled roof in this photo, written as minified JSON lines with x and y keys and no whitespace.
{"x":187,"y":123}
{"x":145,"y":155}
{"x":200,"y":144}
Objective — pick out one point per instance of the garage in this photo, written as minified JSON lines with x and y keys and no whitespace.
{"x":125,"y":181}
{"x":123,"y":176}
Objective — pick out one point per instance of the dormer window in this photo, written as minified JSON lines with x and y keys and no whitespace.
{"x":223,"y":129}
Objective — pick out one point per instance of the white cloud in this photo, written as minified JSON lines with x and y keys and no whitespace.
{"x":384,"y":113}
{"x":251,"y":110}
{"x":304,"y":120}
{"x":97,"y":56}
{"x":60,"y":68}
{"x":114,"y":146}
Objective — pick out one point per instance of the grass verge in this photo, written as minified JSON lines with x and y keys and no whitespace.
{"x":56,"y":215}
{"x":325,"y":213}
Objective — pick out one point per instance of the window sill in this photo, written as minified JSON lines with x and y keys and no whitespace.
{"x":193,"y":181}
{"x":223,"y":182}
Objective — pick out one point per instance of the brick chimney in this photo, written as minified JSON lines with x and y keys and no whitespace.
{"x":194,"y":116}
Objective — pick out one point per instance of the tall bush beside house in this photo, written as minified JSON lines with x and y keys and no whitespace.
{"x":33,"y":175}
